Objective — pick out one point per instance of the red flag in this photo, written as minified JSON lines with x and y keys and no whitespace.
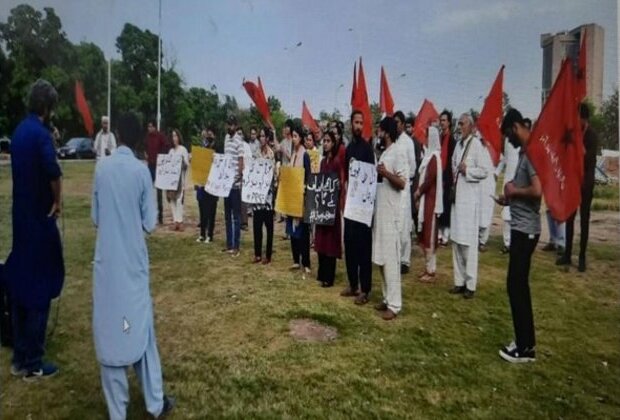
{"x":307,"y":119}
{"x":386,"y":102}
{"x":581,"y":69}
{"x":490,"y":119}
{"x":82,"y":106}
{"x":258,"y":97}
{"x":425,"y":117}
{"x":556,"y":149}
{"x":361,"y":99}
{"x":354,"y":88}
{"x":262,"y":91}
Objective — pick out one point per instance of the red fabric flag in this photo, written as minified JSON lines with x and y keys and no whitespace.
{"x":581,"y":69}
{"x":82,"y":106}
{"x":556,"y":149}
{"x":307,"y":119}
{"x":361,"y":99}
{"x":386,"y":102}
{"x":354,"y":88}
{"x":423,"y":120}
{"x":258,"y":97}
{"x":262,"y":91}
{"x":490,"y":119}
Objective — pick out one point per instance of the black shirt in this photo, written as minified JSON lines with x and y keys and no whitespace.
{"x":590,"y":143}
{"x":358,"y":149}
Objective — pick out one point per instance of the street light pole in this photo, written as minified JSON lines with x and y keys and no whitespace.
{"x":159,"y":71}
{"x":291,"y":49}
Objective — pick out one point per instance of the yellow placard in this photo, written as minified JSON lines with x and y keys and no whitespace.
{"x":201,"y":164}
{"x":315,"y":161}
{"x":290,"y":197}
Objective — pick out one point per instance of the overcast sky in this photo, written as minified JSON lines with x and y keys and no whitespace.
{"x":447,"y":51}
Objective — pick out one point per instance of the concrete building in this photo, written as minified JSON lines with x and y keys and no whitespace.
{"x":566,"y":44}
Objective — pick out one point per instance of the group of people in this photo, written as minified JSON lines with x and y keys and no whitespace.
{"x":436,"y":189}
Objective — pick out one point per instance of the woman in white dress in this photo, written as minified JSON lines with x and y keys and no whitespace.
{"x":175,"y":198}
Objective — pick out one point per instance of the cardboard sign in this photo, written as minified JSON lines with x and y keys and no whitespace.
{"x":315,"y":161}
{"x":202,"y":158}
{"x":361,"y":192}
{"x":257,"y":177}
{"x":322,"y":194}
{"x":168,"y":172}
{"x":221,"y":176}
{"x":290,"y":198}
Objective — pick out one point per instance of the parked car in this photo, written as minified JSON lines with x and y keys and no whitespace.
{"x":77,"y":148}
{"x":5,"y":145}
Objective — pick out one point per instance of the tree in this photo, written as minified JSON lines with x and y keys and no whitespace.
{"x":609,"y":130}
{"x":506,"y":101}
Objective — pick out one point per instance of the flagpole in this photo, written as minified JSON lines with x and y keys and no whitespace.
{"x":159,"y":71}
{"x":109,"y":92}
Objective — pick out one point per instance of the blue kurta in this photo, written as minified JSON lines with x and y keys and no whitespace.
{"x":35,"y":267}
{"x":123,"y":209}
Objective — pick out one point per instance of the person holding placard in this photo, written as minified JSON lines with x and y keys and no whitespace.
{"x":155,"y":144}
{"x":233,"y":147}
{"x":358,"y":236}
{"x":262,"y":214}
{"x":327,"y":242}
{"x":299,"y":231}
{"x":207,"y":203}
{"x":175,"y":198}
{"x":393,"y":172}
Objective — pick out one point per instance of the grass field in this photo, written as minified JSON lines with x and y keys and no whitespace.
{"x":222,"y":329}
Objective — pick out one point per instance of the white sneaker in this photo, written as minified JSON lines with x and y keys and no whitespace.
{"x":200,"y":239}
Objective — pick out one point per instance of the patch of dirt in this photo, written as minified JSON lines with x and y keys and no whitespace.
{"x":311,"y":331}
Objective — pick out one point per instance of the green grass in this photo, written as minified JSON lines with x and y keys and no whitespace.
{"x":222,"y":329}
{"x":606,"y":197}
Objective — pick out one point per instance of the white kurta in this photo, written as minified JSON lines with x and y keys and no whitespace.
{"x":404,"y":143}
{"x":387,"y":227}
{"x":464,"y":216}
{"x":123,"y":208}
{"x":103,"y":142}
{"x":487,"y":190}
{"x":176,"y":198}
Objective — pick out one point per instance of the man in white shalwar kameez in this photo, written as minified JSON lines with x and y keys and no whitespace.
{"x":508,"y":165}
{"x":392,"y":178}
{"x":469,"y":170}
{"x":105,"y":142}
{"x":487,"y":203}
{"x":123,"y":209}
{"x":405,"y":144}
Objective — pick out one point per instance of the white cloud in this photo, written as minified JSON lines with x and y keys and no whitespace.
{"x":472,"y":17}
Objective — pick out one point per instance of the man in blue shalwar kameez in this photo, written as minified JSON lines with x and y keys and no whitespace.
{"x":35,"y":268}
{"x":123,"y":209}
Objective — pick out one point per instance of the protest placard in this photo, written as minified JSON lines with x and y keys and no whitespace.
{"x":290,"y":198}
{"x":321,"y":199}
{"x":361,"y":192}
{"x":221,"y":176}
{"x":201,"y":164}
{"x":315,"y":161}
{"x":257,"y":177}
{"x":168,"y":172}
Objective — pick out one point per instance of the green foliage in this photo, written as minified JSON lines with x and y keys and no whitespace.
{"x":608,"y":131}
{"x":35,"y":46}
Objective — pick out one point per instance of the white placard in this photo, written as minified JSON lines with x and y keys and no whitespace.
{"x":168,"y":172}
{"x":257,"y":177}
{"x":221,"y":176}
{"x":361,"y":192}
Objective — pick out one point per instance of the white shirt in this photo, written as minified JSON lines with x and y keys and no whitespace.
{"x":103,"y":142}
{"x":405,"y":143}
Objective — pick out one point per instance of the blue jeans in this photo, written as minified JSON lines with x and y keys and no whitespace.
{"x":232,"y":212}
{"x":29,"y":327}
{"x":556,"y":231}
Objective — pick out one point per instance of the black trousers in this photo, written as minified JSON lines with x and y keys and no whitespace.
{"x":207,"y":206}
{"x":358,"y":255}
{"x":300,"y":246}
{"x":260,"y":218}
{"x":584,"y":216}
{"x":160,"y":202}
{"x":327,"y":269}
{"x":6,"y":321}
{"x":522,"y":246}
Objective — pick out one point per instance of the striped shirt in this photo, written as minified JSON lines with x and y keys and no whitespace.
{"x":233,"y":147}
